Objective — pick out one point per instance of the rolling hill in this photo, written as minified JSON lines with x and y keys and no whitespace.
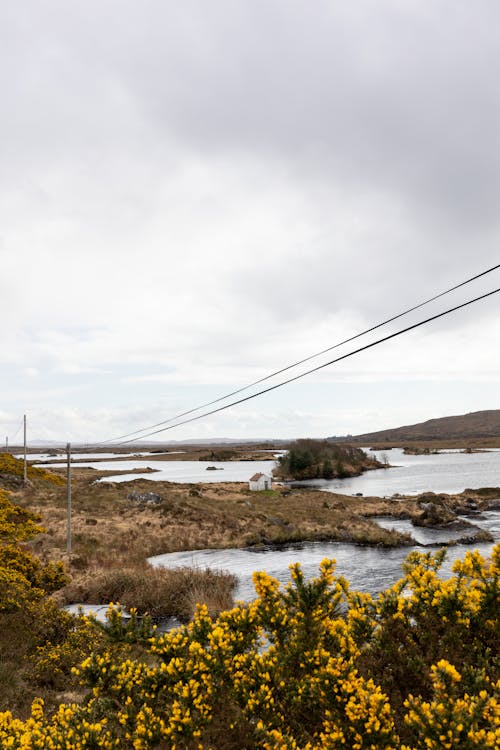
{"x":478,"y":424}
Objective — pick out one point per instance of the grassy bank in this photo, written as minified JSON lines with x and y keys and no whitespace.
{"x":111,"y":530}
{"x":115,"y":527}
{"x":159,"y":592}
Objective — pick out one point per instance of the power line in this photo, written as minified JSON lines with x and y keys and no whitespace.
{"x":320,"y":367}
{"x":12,"y":437}
{"x":301,"y":361}
{"x":17,"y":431}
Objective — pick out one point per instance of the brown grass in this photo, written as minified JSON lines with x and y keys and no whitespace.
{"x":159,"y":592}
{"x":109,"y":530}
{"x":112,"y":533}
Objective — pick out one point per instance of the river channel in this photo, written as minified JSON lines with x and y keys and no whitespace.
{"x":368,"y":568}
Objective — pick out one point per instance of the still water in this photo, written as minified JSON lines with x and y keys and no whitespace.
{"x":53,"y":459}
{"x":448,"y":472}
{"x":190,"y":472}
{"x":409,"y":475}
{"x":368,"y":568}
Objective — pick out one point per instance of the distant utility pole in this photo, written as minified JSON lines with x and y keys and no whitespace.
{"x":25,"y":475}
{"x":6,"y":443}
{"x":68,"y":497}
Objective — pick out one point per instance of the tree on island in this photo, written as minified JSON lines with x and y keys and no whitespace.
{"x":313,"y":459}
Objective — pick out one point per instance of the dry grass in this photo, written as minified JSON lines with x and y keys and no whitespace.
{"x":158,"y":591}
{"x":109,"y":530}
{"x":112,"y":533}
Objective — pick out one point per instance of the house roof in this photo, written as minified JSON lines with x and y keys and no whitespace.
{"x":256,"y":477}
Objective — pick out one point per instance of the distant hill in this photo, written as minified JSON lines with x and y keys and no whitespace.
{"x":477,"y":424}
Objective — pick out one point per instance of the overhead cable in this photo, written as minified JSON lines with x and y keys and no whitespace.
{"x":319,"y":367}
{"x":300,"y":361}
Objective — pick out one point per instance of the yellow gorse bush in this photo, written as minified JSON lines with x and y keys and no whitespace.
{"x":16,"y":524}
{"x":12,"y":468}
{"x":23,"y":578}
{"x":309,"y":666}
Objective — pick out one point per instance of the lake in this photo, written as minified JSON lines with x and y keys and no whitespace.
{"x":190,"y":472}
{"x":368,"y":568}
{"x":449,"y":472}
{"x":444,"y":472}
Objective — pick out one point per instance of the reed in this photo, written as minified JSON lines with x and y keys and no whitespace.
{"x":160,"y":592}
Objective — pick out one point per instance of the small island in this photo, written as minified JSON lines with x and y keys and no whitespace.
{"x":322,"y":459}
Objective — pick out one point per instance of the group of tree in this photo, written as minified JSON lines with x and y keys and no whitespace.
{"x":312,"y":459}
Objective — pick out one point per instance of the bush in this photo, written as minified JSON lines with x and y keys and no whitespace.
{"x":311,"y":666}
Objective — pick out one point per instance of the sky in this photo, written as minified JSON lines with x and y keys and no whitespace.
{"x":194,"y":195}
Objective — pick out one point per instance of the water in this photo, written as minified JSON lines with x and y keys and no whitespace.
{"x":367,"y":568}
{"x":190,"y":472}
{"x":88,"y":456}
{"x":424,"y":535}
{"x":449,"y":472}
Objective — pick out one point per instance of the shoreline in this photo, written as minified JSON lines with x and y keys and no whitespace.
{"x":117,"y":527}
{"x":224,"y":515}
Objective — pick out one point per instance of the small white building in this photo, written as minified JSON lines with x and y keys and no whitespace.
{"x":260,"y":482}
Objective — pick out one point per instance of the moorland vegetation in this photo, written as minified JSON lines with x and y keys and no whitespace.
{"x":310,"y":666}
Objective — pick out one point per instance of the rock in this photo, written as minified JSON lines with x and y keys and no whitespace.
{"x":482,"y":535}
{"x":434,"y":515}
{"x":145,"y":497}
{"x":469,"y":508}
{"x":472,"y":503}
{"x":466,"y":510}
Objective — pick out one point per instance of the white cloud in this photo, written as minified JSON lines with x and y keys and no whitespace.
{"x":195,"y":195}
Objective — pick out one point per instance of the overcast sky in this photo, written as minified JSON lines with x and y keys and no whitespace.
{"x":194,"y":194}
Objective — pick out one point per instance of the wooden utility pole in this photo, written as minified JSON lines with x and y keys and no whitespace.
{"x":68,"y":497}
{"x":25,"y":474}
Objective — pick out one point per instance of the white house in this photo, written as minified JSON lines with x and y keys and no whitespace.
{"x":260,"y":482}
